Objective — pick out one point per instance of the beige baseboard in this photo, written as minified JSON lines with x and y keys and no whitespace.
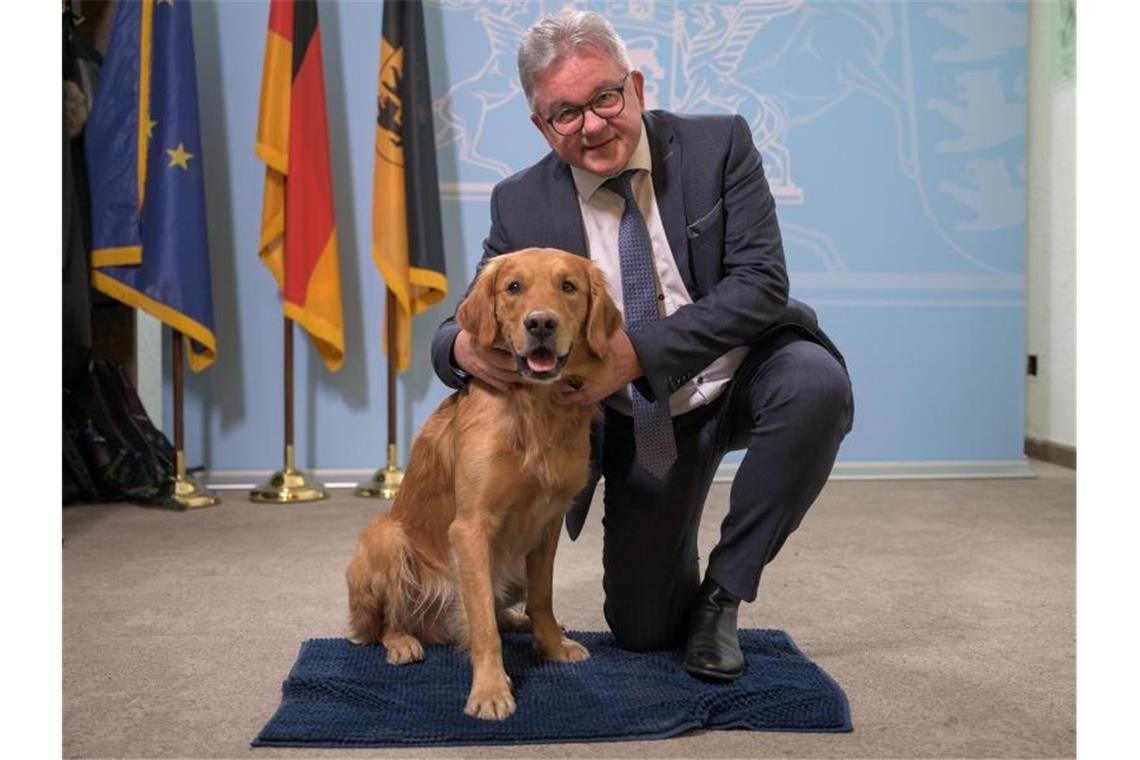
{"x":239,"y":480}
{"x":1054,"y":453}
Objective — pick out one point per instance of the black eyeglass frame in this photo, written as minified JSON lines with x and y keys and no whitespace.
{"x":581,"y":119}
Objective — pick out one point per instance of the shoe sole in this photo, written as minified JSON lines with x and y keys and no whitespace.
{"x":714,"y":675}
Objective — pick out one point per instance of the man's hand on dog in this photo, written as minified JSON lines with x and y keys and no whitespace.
{"x":625,"y":367}
{"x":497,"y":368}
{"x":493,"y":366}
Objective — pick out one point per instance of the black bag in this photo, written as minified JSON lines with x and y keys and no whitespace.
{"x":81,"y":64}
{"x":111,"y":449}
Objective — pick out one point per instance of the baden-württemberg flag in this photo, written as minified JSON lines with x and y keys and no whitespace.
{"x":298,"y":226}
{"x":407,"y":244}
{"x":144,"y":157}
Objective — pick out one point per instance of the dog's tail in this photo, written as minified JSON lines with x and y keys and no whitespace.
{"x":391,"y":586}
{"x":372,"y":578}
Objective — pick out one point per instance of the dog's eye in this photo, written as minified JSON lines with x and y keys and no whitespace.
{"x":515,"y":287}
{"x":568,"y":286}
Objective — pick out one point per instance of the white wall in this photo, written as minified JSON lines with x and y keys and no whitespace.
{"x":148,"y":366}
{"x":1051,"y":233}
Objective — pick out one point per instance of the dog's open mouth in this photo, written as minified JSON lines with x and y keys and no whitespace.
{"x":541,"y":363}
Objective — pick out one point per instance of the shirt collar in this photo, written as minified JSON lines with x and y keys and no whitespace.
{"x":587,"y":182}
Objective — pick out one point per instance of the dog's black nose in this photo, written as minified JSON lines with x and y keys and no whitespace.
{"x":541,"y":324}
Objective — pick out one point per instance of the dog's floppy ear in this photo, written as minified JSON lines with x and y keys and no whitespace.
{"x":476,"y":314}
{"x":604,"y":318}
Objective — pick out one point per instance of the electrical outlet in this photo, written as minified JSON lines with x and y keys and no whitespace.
{"x":1031,"y":366}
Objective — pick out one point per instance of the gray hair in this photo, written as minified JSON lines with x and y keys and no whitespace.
{"x":560,"y":35}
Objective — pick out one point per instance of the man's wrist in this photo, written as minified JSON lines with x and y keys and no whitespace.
{"x":633,"y":368}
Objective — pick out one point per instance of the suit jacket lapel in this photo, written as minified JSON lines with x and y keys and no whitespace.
{"x":566,"y":218}
{"x":665,"y":150}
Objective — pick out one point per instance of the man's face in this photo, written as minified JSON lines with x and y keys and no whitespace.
{"x":601,"y":146}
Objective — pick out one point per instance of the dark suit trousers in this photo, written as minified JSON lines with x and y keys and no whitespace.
{"x":788,"y":407}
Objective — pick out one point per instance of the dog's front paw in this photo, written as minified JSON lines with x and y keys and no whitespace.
{"x":566,"y":650}
{"x":492,"y":701}
{"x":403,"y":648}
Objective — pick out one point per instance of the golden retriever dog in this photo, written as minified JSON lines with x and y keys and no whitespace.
{"x":474,"y":527}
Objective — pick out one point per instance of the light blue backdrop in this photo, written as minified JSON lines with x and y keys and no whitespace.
{"x":893,"y":135}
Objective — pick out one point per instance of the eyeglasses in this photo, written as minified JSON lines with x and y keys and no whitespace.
{"x":607,"y":104}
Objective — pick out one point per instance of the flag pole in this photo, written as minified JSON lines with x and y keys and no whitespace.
{"x":289,"y":485}
{"x":186,"y":492}
{"x":385,"y":483}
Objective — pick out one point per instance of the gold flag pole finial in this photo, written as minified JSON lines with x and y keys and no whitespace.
{"x":288,"y":486}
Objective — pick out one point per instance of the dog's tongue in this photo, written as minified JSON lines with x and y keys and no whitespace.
{"x":541,"y":360}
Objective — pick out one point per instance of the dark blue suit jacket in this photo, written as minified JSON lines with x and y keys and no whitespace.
{"x":720,"y":219}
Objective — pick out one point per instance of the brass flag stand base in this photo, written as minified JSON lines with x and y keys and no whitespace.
{"x":188,"y":493}
{"x":289,"y":485}
{"x":385,"y":483}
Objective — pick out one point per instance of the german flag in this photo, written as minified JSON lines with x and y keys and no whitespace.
{"x":298,"y":226}
{"x":407,"y":244}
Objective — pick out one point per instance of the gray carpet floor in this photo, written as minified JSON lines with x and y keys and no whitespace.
{"x":945,"y":609}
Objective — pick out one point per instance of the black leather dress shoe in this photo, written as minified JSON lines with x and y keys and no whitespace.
{"x":713,"y":650}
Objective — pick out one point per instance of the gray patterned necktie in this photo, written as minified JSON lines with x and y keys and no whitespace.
{"x":652,"y":425}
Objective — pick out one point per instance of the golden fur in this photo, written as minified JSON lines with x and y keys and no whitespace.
{"x":475,"y":525}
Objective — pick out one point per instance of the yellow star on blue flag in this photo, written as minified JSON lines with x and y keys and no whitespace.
{"x":149,"y":224}
{"x":179,"y":157}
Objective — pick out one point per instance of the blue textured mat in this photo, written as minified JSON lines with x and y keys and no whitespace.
{"x":342,"y":695}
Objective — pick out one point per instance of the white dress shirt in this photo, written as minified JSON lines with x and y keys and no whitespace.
{"x":601,"y":216}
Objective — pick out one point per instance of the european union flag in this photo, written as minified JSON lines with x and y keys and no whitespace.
{"x":144,"y":156}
